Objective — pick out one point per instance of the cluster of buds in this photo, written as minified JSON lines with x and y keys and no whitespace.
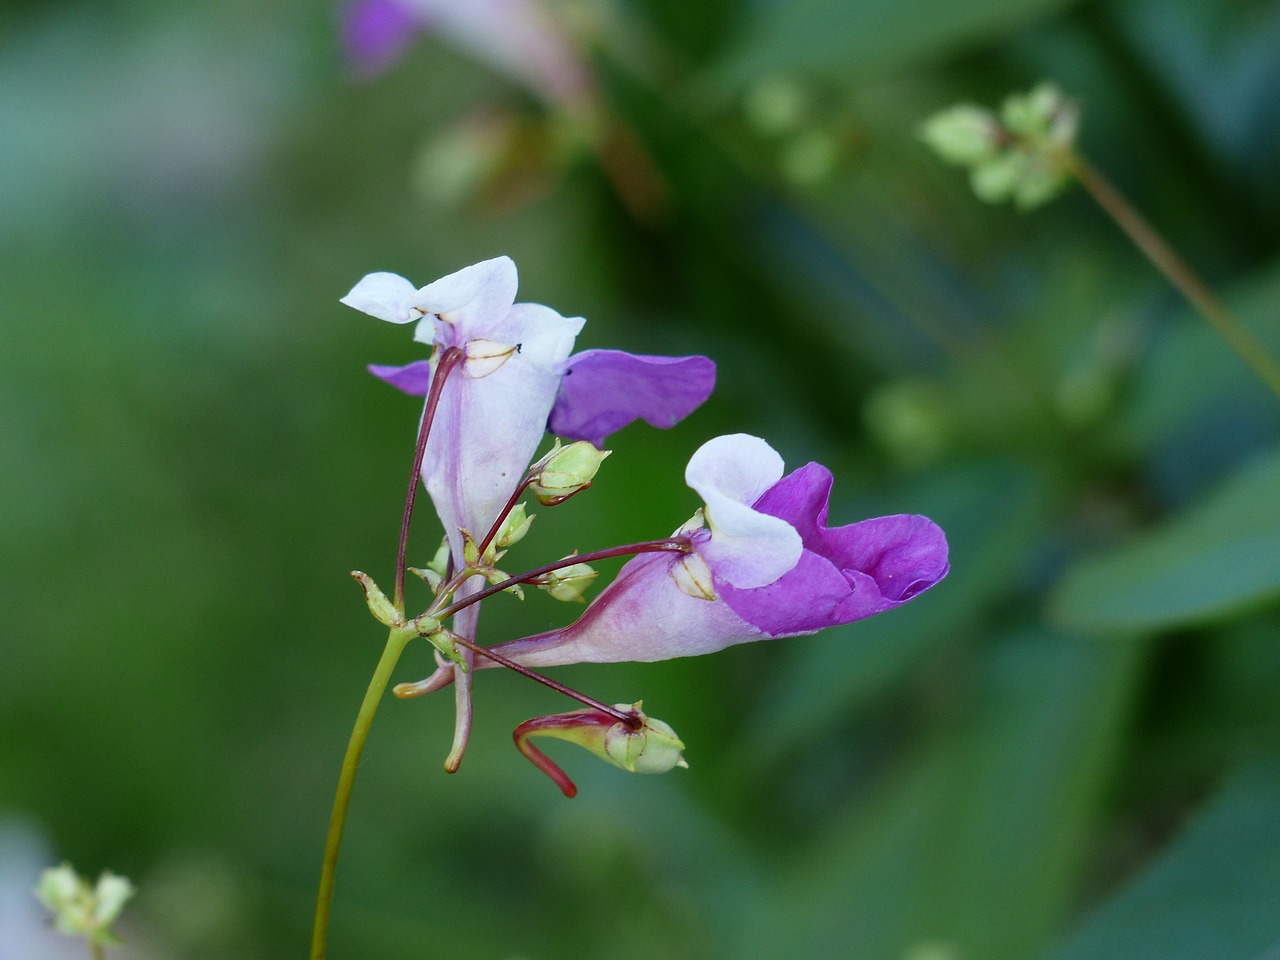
{"x":1023,"y":154}
{"x":757,"y":561}
{"x":80,"y":909}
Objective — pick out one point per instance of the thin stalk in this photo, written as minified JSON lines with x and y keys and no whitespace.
{"x":573,"y":694}
{"x":346,"y":780}
{"x":502,"y":515}
{"x":97,"y":951}
{"x":673,"y":544}
{"x":1238,"y":337}
{"x":449,"y":359}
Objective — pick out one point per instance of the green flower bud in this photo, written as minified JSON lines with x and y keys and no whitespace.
{"x":442,"y":638}
{"x":470,"y":550}
{"x":962,"y":134}
{"x":569,"y":583}
{"x":776,"y":105}
{"x":639,"y":744}
{"x":379,"y":605}
{"x":495,"y":576}
{"x":1031,"y":114}
{"x":566,"y":471}
{"x":514,"y":527}
{"x":429,"y":576}
{"x":652,"y":748}
{"x":81,"y":910}
{"x":440,"y":562}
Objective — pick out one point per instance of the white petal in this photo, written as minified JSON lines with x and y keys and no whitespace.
{"x":387,"y":296}
{"x":747,"y":548}
{"x":545,"y":338}
{"x":475,"y":296}
{"x":739,"y":466}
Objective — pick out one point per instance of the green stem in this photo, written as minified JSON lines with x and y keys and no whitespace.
{"x":342,"y":799}
{"x":1144,"y":236}
{"x":97,"y":951}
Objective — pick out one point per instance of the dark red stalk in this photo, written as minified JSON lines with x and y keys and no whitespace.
{"x":673,"y":544}
{"x":449,"y":359}
{"x":594,"y":704}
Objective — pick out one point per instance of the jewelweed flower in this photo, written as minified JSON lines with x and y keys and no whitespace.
{"x":494,"y":409}
{"x":515,"y":376}
{"x":765,"y":565}
{"x":517,"y":380}
{"x":518,"y":37}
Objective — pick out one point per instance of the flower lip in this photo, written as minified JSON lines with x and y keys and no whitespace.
{"x":845,"y":573}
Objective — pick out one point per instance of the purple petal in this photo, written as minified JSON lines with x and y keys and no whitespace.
{"x":805,"y":599}
{"x":413,"y":379}
{"x":376,"y":32}
{"x":604,"y":390}
{"x":904,"y":555}
{"x":801,"y":498}
{"x":846,"y":573}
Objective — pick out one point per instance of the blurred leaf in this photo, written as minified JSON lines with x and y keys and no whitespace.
{"x":869,"y":38}
{"x":977,"y":845}
{"x":1195,"y":405}
{"x":1220,"y":556}
{"x":1212,"y":894}
{"x":989,"y":514}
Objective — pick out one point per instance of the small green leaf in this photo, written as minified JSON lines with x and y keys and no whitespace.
{"x":1222,"y":555}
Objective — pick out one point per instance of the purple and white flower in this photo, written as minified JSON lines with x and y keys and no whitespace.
{"x":766,"y":565}
{"x":521,"y":38}
{"x":517,"y":378}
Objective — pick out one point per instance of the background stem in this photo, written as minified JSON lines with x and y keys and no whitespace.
{"x":1238,"y":337}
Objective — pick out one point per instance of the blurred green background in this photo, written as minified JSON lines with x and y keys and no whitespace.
{"x":1066,"y":750}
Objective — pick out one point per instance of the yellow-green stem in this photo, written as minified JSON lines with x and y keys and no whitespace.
{"x":1145,"y":238}
{"x":97,"y":951}
{"x":396,"y":642}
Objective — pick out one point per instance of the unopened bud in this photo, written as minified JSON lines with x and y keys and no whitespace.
{"x":566,"y":471}
{"x":962,"y":134}
{"x":382,"y":609}
{"x":653,"y":747}
{"x":429,"y":576}
{"x":495,"y":576}
{"x":470,"y":549}
{"x":440,"y":562}
{"x":639,"y":744}
{"x":81,"y":910}
{"x":514,"y":527}
{"x":569,"y":583}
{"x":1032,"y":114}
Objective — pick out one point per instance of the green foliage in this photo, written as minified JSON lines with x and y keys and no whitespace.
{"x":1215,"y":558}
{"x":1211,"y":894}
